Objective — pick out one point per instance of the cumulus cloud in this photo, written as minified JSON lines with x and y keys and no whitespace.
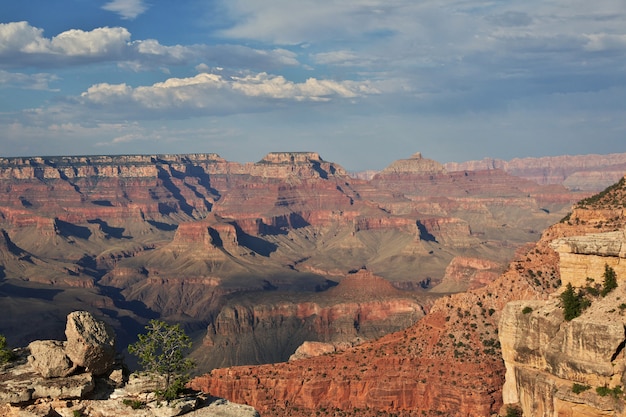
{"x":127,"y":9}
{"x":23,"y":45}
{"x":26,"y":45}
{"x":214,"y":92}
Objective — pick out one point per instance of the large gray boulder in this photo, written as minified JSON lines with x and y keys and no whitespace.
{"x":48,"y":359}
{"x":90,"y":343}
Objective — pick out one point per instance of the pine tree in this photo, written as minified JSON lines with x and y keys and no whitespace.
{"x":161,"y":352}
{"x":610,"y":280}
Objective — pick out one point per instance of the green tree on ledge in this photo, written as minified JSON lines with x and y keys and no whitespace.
{"x":573,"y":303}
{"x":610,"y":280}
{"x":161,"y":352}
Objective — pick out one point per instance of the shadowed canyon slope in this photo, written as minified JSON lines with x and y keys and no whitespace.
{"x":450,"y":362}
{"x":252,"y":251}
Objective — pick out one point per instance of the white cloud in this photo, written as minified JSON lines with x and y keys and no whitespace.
{"x":213,"y":92}
{"x":23,"y":45}
{"x":127,"y":9}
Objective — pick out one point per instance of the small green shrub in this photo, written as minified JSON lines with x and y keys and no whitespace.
{"x":512,"y":411}
{"x":527,"y":310}
{"x":134,"y":404}
{"x":6,"y":355}
{"x":573,"y":303}
{"x":610,"y":280}
{"x":578,"y":388}
{"x":161,"y":352}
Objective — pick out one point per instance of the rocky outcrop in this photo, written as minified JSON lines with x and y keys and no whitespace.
{"x":464,"y":273}
{"x":554,"y":366}
{"x":584,"y":257}
{"x":41,"y":381}
{"x":311,"y":349}
{"x":416,"y":164}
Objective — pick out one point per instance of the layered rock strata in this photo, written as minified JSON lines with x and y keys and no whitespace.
{"x":556,"y":367}
{"x":437,"y":366}
{"x":583,"y":172}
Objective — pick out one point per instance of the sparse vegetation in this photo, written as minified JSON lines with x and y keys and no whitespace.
{"x":610,"y":281}
{"x":161,"y":352}
{"x":611,"y":195}
{"x":527,"y":310}
{"x":573,"y":303}
{"x":615,"y":392}
{"x":134,"y":404}
{"x":6,"y":355}
{"x":512,"y":411}
{"x":578,"y":388}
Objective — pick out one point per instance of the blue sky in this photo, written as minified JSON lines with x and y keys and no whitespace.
{"x":361,"y":82}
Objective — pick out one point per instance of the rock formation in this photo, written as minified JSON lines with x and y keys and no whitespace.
{"x":438,"y":365}
{"x":42,"y":381}
{"x":555,"y":367}
{"x":577,"y":367}
{"x":583,"y":172}
{"x":90,"y":343}
{"x":362,"y":307}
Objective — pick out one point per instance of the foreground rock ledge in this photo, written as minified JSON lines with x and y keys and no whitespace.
{"x":45,"y":381}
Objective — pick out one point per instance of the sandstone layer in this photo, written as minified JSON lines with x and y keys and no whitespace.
{"x":561,"y":367}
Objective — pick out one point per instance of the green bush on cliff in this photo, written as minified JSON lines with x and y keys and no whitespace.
{"x":6,"y":355}
{"x":573,"y":303}
{"x":610,"y":280}
{"x":513,"y":411}
{"x":578,"y":388}
{"x":161,"y":352}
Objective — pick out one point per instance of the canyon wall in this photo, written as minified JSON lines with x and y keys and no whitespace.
{"x":438,"y":366}
{"x":574,"y":367}
{"x":576,"y":172}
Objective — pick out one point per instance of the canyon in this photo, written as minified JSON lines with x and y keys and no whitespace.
{"x":401,"y":278}
{"x":513,"y":327}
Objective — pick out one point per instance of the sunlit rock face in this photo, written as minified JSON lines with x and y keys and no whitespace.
{"x":553,"y":366}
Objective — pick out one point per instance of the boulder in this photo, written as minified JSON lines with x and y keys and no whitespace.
{"x":48,"y":358}
{"x":90,"y":342}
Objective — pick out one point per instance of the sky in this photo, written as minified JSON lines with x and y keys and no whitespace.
{"x":363,"y":83}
